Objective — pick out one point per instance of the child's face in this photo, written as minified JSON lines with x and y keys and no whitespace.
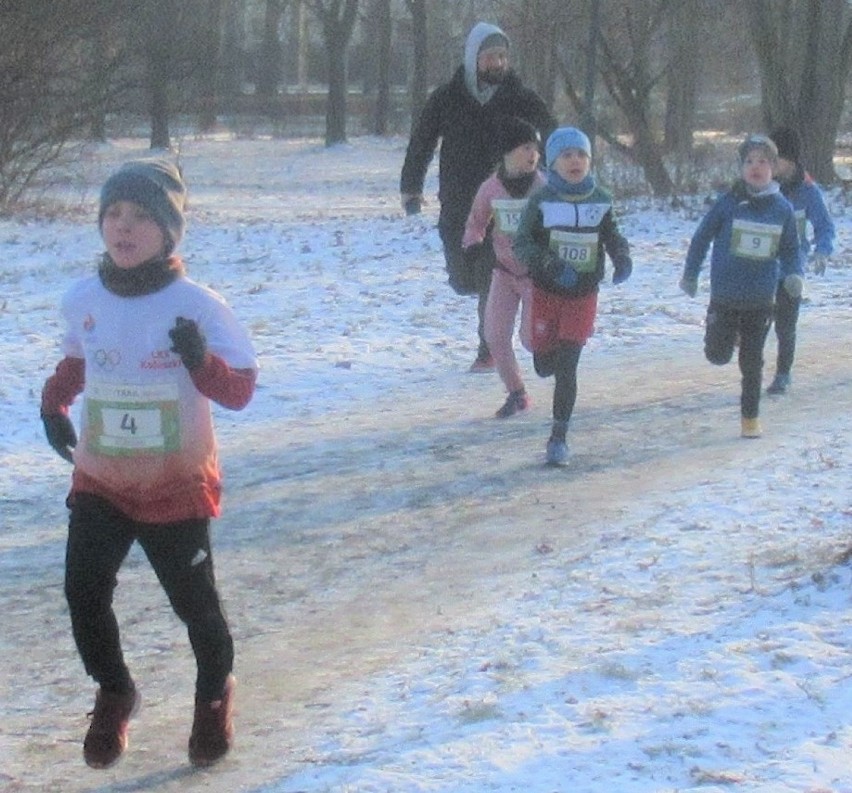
{"x":757,"y":169}
{"x":573,"y":165}
{"x":522,"y":159}
{"x":131,"y":235}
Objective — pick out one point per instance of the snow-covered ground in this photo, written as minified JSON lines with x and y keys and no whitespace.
{"x":418,"y":603}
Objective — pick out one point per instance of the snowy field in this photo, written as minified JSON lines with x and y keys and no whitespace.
{"x":418,"y":603}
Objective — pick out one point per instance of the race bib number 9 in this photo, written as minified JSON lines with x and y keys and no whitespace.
{"x":507,"y":214}
{"x":755,"y":240}
{"x":579,"y":249}
{"x":125,"y":420}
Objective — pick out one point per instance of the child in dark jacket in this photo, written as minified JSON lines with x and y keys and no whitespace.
{"x":805,"y":195}
{"x":148,"y":349}
{"x":753,"y":231}
{"x":562,"y":236}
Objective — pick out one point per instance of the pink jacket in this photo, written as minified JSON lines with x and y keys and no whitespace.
{"x":493,"y":201}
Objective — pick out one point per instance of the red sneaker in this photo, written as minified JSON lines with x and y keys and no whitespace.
{"x":106,"y":739}
{"x":213,"y":727}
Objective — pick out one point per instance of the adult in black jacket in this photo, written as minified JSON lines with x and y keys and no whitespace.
{"x":467,"y":113}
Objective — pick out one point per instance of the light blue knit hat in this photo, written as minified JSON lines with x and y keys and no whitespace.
{"x":565,"y":138}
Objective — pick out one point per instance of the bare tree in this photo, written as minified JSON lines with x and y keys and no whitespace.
{"x":804,"y":48}
{"x":49,"y":91}
{"x":381,"y":14}
{"x":420,"y":68}
{"x":269,"y":60}
{"x":338,"y":20}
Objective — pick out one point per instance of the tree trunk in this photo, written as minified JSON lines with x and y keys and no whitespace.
{"x":420,"y":69}
{"x":804,"y":50}
{"x":162,"y":24}
{"x":384,"y":31}
{"x":269,"y":65}
{"x":338,"y":20}
{"x":208,"y":66}
{"x":684,"y":65}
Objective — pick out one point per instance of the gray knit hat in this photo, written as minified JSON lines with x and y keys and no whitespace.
{"x":157,"y":186}
{"x":761,"y":142}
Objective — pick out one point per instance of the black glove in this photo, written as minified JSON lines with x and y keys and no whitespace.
{"x":188,"y":342}
{"x":623,"y":270}
{"x":473,"y":253}
{"x":60,"y":434}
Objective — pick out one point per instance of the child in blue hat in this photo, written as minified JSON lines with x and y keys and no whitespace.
{"x":562,"y":236}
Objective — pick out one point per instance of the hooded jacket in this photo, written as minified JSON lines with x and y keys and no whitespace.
{"x":467,"y":119}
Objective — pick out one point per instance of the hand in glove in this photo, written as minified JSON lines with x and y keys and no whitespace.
{"x":689,"y":285}
{"x":623,"y":270}
{"x":60,"y":434}
{"x":794,"y":285}
{"x":819,"y":262}
{"x":473,"y":253}
{"x":188,"y":342}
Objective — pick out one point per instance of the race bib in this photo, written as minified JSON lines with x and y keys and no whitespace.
{"x":751,"y":240}
{"x":579,"y":249}
{"x":507,"y":214}
{"x":124,"y":420}
{"x":801,"y":223}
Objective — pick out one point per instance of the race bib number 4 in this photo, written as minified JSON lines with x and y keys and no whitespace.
{"x":755,"y":240}
{"x":579,"y":249}
{"x":507,"y":214}
{"x":125,"y":420}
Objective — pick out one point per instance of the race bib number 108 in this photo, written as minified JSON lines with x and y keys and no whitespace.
{"x":126,"y":420}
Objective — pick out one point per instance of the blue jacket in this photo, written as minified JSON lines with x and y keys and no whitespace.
{"x":755,"y":245}
{"x":806,"y":197}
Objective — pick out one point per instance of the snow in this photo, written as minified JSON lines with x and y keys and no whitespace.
{"x":418,"y":603}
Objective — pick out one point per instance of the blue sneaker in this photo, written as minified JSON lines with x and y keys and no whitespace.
{"x":779,"y":385}
{"x":557,"y":452}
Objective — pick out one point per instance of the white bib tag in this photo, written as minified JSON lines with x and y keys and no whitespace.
{"x":129,"y":419}
{"x":579,"y":249}
{"x":507,"y":214}
{"x":751,"y":240}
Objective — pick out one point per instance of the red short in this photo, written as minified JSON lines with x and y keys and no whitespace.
{"x":558,"y":318}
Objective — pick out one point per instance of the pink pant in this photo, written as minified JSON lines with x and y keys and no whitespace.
{"x":506,"y":294}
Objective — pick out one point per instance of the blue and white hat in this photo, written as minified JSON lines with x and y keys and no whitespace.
{"x":566,"y":138}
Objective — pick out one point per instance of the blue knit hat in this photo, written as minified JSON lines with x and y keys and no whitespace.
{"x":157,"y":186}
{"x":565,"y":138}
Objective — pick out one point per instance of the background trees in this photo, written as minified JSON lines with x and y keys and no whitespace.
{"x":655,"y":78}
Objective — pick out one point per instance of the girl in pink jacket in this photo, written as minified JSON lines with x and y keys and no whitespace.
{"x":493,"y":220}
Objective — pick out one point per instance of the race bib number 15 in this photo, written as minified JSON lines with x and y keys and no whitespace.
{"x":131,"y":419}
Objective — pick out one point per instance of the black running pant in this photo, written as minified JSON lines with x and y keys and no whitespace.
{"x":99,"y":539}
{"x":726,"y":328}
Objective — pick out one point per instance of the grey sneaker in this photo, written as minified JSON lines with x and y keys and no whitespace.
{"x":557,"y":452}
{"x":106,"y":739}
{"x":213,"y":727}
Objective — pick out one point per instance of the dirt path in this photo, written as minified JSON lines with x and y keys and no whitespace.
{"x":348,"y":541}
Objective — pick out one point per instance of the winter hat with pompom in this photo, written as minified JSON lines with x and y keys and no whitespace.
{"x":566,"y":138}
{"x":157,"y":186}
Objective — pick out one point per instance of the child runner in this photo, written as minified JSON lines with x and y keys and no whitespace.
{"x":753,"y":231}
{"x":562,"y":236}
{"x":804,"y":194}
{"x":498,"y":205}
{"x":147,"y":348}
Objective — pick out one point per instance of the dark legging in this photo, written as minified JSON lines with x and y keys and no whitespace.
{"x":562,"y":362}
{"x":99,"y":539}
{"x":786,"y":317}
{"x":725,"y":328}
